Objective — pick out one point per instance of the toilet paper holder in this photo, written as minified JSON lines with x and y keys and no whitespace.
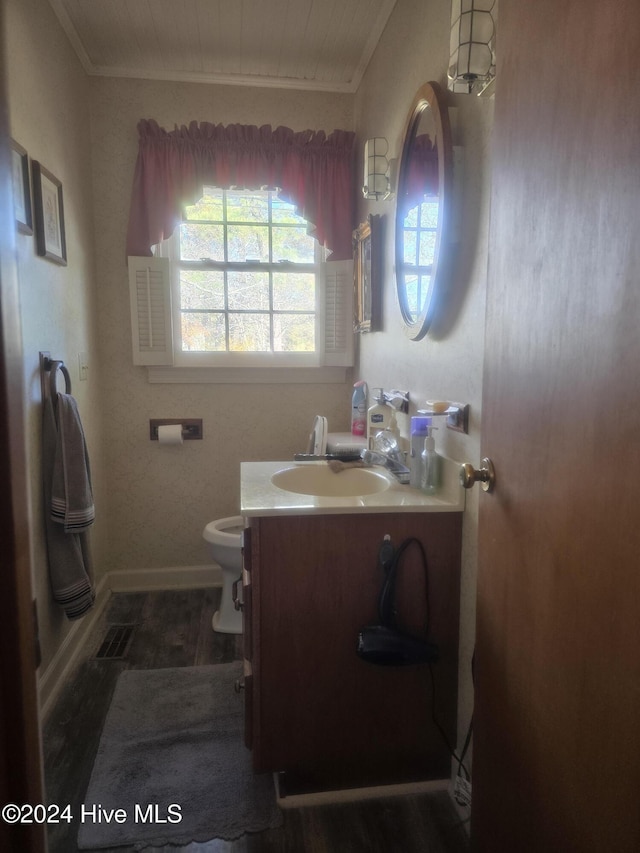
{"x":191,"y":427}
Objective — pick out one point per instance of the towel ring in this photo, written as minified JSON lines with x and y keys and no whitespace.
{"x":53,"y":366}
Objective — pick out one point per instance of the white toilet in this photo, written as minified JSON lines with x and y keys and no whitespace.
{"x":225,"y":544}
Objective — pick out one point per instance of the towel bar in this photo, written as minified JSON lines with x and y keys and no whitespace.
{"x":52,"y":366}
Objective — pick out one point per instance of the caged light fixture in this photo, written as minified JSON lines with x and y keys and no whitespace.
{"x":472,"y":66}
{"x":377,"y":184}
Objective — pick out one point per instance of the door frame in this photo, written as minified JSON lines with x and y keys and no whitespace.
{"x":21,"y":775}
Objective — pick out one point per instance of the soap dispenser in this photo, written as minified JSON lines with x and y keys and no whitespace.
{"x":431,"y":464}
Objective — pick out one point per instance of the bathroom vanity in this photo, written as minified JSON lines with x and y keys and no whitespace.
{"x":315,"y":711}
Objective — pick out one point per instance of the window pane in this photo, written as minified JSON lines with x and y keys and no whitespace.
{"x":284,"y":211}
{"x":411,"y":218}
{"x":249,"y":333}
{"x":248,"y":243}
{"x":294,"y":333}
{"x":427,"y":248}
{"x":203,"y":332}
{"x":201,"y":241}
{"x":292,"y":244}
{"x":209,"y":207}
{"x":410,"y":247}
{"x":248,"y":290}
{"x":429,"y":214}
{"x":294,"y":292}
{"x":201,"y":289}
{"x":247,"y":207}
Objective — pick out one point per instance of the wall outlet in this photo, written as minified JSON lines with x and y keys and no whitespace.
{"x":83,"y":365}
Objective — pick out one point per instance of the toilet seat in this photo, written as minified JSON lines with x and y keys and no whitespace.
{"x":225,"y":531}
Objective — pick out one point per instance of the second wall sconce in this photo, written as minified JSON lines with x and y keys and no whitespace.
{"x":377,"y":182}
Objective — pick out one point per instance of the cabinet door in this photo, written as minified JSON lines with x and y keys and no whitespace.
{"x":322,"y":714}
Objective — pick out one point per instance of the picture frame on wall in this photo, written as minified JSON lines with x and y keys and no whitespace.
{"x":48,"y":215}
{"x":21,"y":188}
{"x":367,"y":271}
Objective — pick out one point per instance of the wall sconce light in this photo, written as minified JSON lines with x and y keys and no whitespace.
{"x":377,"y":183}
{"x":472,"y":65}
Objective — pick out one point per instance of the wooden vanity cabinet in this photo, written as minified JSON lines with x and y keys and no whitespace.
{"x":314,"y":710}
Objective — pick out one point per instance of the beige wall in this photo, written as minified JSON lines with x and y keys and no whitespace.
{"x":448,"y":363}
{"x":49,"y":116}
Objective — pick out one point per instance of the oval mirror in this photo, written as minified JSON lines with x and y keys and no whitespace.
{"x":422,"y":210}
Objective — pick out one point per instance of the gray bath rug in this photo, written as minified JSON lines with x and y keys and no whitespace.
{"x":172,"y":766}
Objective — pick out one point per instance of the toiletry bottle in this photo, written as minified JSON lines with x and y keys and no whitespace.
{"x":359,"y":408}
{"x":431,"y":464}
{"x":378,"y":417}
{"x":418,"y":434}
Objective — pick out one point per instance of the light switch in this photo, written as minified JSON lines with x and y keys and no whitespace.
{"x":83,"y":365}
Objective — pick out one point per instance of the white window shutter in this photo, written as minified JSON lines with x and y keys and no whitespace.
{"x":338,"y":315}
{"x":150,"y":299}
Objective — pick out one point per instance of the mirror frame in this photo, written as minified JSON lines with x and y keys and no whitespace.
{"x":430,"y":95}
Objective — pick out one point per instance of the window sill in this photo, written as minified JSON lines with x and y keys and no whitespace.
{"x":253,"y":375}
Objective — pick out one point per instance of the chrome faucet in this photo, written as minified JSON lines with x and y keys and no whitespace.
{"x":392,"y":461}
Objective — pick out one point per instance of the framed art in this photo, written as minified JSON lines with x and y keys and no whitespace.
{"x":367,"y":271}
{"x":21,"y":188}
{"x":48,"y":215}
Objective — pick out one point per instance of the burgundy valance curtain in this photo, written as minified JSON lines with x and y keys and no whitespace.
{"x":312,"y":170}
{"x":422,"y":177}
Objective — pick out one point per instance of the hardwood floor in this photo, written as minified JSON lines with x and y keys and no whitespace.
{"x":173,"y":629}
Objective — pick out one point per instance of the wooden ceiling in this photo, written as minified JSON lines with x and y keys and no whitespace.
{"x":303,"y":44}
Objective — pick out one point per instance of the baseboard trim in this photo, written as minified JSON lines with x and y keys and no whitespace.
{"x":53,"y":677}
{"x":352,"y":795}
{"x":171,"y":577}
{"x":51,"y":680}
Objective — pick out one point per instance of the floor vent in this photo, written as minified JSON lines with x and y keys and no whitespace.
{"x":116,"y":642}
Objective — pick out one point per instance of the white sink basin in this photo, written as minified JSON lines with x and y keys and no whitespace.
{"x":321,"y":481}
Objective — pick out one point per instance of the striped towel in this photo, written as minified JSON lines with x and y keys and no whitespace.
{"x":71,"y":495}
{"x":68,"y":549}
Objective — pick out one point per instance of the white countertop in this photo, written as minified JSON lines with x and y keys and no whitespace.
{"x":258,"y":495}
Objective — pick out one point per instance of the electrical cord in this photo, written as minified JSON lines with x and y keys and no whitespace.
{"x":462,"y":770}
{"x":387,"y":609}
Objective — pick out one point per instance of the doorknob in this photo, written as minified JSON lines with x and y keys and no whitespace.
{"x":486,"y":475}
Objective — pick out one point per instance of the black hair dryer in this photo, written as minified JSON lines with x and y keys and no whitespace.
{"x":385,"y":644}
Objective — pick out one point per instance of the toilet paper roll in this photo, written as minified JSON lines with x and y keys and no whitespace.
{"x":170,"y":434}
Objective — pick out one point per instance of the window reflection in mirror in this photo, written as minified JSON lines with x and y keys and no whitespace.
{"x":423,"y":190}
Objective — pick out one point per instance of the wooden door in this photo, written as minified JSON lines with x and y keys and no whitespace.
{"x":557,"y":736}
{"x":20,"y":772}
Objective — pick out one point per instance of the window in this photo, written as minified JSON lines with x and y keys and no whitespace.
{"x":248,"y":288}
{"x":246,"y":271}
{"x":420,"y":234}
